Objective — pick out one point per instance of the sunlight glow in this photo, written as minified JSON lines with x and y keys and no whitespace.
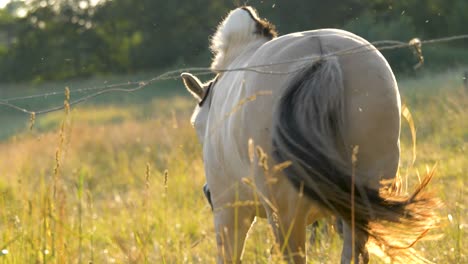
{"x":3,"y":3}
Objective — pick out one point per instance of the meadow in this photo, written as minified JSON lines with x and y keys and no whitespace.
{"x":119,"y":179}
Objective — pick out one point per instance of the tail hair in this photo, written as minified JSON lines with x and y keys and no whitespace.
{"x":308,"y":132}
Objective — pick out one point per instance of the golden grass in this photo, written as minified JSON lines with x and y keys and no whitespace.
{"x":128,"y":186}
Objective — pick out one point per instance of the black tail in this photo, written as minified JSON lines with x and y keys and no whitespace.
{"x":308,"y":127}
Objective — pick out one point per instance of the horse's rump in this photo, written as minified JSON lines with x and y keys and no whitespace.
{"x":309,"y":130}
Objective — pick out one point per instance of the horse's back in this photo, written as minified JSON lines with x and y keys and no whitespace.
{"x":372,"y":102}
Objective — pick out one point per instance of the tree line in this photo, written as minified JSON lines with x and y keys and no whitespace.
{"x":60,"y":39}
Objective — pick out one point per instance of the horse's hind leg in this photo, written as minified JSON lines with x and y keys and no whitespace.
{"x":291,"y":238}
{"x":232,"y":226}
{"x":361,"y":255}
{"x":289,"y":224}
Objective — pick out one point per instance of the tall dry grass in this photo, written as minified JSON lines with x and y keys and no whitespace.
{"x":108,"y":185}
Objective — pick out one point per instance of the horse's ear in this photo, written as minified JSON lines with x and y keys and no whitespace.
{"x":193,"y":85}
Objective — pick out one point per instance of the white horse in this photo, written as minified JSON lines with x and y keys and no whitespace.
{"x":322,"y":109}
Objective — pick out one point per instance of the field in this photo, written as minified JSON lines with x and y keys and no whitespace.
{"x":118,"y":179}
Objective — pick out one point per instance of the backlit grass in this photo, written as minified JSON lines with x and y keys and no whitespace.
{"x":122,"y":183}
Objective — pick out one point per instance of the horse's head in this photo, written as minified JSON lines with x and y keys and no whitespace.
{"x":201,"y":92}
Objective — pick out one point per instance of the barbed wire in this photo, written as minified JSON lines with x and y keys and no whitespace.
{"x":81,"y":90}
{"x":382,"y":45}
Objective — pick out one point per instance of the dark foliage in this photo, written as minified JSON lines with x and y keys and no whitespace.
{"x":73,"y":39}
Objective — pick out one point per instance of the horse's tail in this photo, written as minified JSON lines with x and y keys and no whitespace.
{"x":308,"y":132}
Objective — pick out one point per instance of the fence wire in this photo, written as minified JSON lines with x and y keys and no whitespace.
{"x":382,"y":45}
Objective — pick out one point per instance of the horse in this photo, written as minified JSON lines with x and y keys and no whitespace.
{"x":302,"y":126}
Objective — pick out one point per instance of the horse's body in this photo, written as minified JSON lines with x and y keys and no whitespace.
{"x":371,"y":99}
{"x":245,"y":106}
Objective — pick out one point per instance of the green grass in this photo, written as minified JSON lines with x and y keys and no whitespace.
{"x":119,"y":180}
{"x":13,"y":121}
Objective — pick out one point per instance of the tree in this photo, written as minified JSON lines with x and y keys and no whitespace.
{"x":71,"y":38}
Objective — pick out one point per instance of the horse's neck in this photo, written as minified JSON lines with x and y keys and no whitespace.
{"x":235,"y":54}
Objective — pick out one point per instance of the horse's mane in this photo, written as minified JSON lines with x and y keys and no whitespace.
{"x":240,"y":28}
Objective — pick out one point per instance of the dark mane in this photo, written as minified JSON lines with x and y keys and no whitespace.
{"x":263,"y":26}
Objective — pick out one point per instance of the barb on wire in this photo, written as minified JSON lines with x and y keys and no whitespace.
{"x":415,"y":43}
{"x":417,"y":49}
